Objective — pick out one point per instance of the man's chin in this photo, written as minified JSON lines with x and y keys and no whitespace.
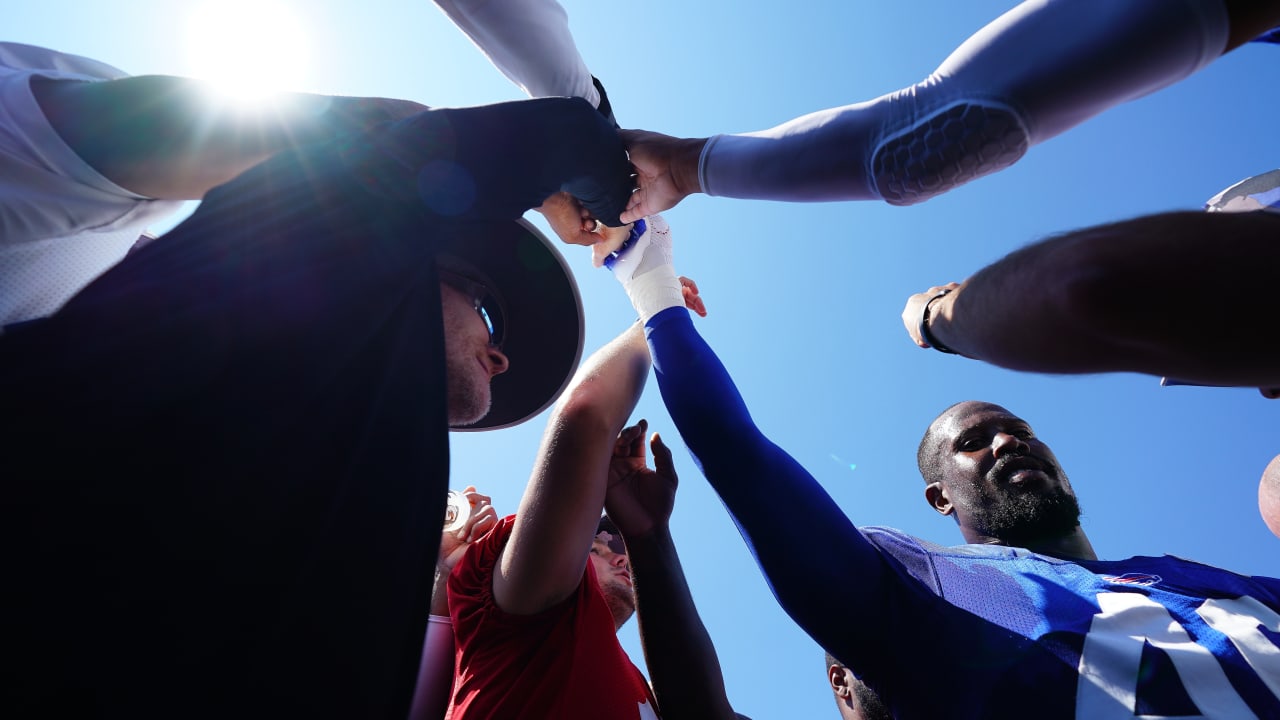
{"x":468,"y":396}
{"x":468,"y":413}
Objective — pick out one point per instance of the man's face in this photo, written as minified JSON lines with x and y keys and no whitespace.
{"x":470,"y":360}
{"x":613,"y":575}
{"x":999,"y":478}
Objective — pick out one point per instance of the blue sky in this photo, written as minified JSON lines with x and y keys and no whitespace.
{"x":805,"y":299}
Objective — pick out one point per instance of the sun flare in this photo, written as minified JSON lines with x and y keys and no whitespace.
{"x":248,"y":50}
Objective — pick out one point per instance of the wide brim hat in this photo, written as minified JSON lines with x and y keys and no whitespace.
{"x":542,"y":314}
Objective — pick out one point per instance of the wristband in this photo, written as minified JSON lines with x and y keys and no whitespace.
{"x":924,"y":325}
{"x":637,"y":231}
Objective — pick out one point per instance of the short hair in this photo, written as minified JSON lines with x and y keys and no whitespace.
{"x":926,"y":451}
{"x":872,"y":707}
{"x":831,"y":660}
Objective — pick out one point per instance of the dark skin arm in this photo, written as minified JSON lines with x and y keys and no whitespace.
{"x":683,"y":666}
{"x":172,"y":138}
{"x":1249,"y":19}
{"x":1186,"y":295}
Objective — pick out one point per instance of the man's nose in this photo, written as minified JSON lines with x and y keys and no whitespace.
{"x":1006,"y":444}
{"x":498,"y":362}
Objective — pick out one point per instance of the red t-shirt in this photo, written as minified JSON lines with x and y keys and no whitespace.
{"x":564,"y":662}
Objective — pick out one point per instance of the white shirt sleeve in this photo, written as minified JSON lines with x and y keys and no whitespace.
{"x":62,"y":223}
{"x":529,"y":41}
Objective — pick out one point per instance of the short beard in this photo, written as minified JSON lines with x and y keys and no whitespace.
{"x":621,"y":601}
{"x":467,"y":403}
{"x":1027,"y":519}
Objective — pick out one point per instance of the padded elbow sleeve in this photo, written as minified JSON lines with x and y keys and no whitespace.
{"x":1036,"y":71}
{"x":1041,"y":68}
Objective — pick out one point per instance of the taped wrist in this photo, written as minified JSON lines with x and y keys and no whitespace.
{"x":644,"y":267}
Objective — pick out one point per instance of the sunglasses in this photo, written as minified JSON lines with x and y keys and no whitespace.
{"x":483,"y":301}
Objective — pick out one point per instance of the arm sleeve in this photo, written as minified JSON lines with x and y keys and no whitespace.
{"x":529,"y":41}
{"x":46,"y":189}
{"x":435,"y":674}
{"x":62,"y":222}
{"x":496,"y":161}
{"x":1038,"y":70}
{"x":755,"y":478}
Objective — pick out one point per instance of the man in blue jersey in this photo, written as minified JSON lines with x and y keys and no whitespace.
{"x":1024,"y":621}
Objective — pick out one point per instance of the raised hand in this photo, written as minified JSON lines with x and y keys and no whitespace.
{"x":692,"y":299}
{"x":914,"y":310}
{"x":483,"y":518}
{"x":666,"y":171}
{"x":575,"y":225}
{"x":639,"y":498}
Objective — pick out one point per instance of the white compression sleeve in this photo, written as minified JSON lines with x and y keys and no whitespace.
{"x":1039,"y":69}
{"x":529,"y":41}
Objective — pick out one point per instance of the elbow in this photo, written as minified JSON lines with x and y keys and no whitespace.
{"x":581,"y":415}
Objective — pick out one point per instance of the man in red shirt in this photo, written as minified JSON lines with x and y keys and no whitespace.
{"x":536,"y":603}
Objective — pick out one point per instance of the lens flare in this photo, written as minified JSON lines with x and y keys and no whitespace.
{"x":247,"y":50}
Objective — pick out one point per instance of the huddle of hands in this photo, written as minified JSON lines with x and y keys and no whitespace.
{"x":575,"y":225}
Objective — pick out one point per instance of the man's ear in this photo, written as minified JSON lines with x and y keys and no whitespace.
{"x":839,"y":679}
{"x":937,"y":497}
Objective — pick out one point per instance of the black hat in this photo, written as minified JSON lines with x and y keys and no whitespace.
{"x":537,"y":305}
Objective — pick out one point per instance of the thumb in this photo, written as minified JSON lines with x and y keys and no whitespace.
{"x":662,"y":461}
{"x":601,"y":250}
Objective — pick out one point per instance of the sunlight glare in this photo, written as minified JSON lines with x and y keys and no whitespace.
{"x":248,"y":50}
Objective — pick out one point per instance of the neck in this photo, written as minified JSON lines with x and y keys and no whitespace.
{"x":1074,"y":545}
{"x":621,"y":618}
{"x":620,"y":610}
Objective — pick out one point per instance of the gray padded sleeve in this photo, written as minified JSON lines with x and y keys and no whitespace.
{"x":1039,"y":69}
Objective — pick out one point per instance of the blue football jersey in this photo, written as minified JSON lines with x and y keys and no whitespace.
{"x":1004,"y":632}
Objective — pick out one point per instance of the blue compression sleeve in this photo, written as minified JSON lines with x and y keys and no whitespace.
{"x":1036,"y":71}
{"x":816,"y":549}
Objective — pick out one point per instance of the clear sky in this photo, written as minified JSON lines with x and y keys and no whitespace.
{"x":805,"y":299}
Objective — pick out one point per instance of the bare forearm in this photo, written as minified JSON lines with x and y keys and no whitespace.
{"x":544,"y":560}
{"x":682,"y":662}
{"x":1178,"y":294}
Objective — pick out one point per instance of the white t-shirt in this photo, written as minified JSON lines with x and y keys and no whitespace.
{"x":61,"y":222}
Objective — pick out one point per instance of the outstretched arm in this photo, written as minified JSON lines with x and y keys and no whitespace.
{"x":1036,"y":71}
{"x":1182,"y":294}
{"x":544,"y":560}
{"x":683,"y":667}
{"x":172,"y":138}
{"x":497,"y":161}
{"x":530,"y":42}
{"x":751,"y":474}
